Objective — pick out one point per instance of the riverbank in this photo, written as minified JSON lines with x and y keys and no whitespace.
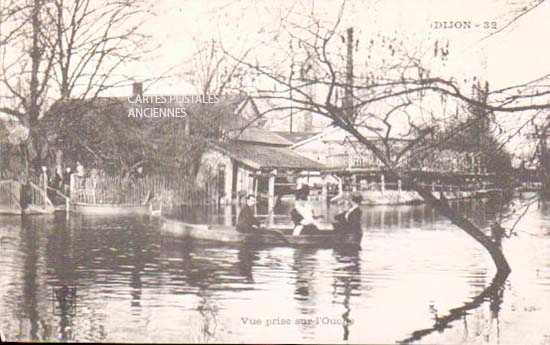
{"x":395,"y":197}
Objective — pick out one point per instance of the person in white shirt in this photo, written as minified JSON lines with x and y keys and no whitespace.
{"x":302,"y":215}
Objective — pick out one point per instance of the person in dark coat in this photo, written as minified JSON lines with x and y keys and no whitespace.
{"x":349,"y":221}
{"x":67,"y":181}
{"x":246,"y":222}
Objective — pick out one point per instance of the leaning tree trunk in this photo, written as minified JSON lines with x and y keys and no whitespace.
{"x":502,"y":266}
{"x":471,"y":229}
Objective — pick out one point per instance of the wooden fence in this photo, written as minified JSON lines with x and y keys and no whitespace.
{"x":34,"y":193}
{"x":376,"y":186}
{"x":9,"y":193}
{"x":138,"y":191}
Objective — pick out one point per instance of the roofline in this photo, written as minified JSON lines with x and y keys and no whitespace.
{"x":331,"y":129}
{"x":256,"y":166}
{"x":262,"y":143}
{"x":251,"y":164}
{"x":241,"y":105}
{"x":327,"y":130}
{"x":239,"y":137}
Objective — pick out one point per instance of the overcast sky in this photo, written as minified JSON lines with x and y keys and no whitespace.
{"x":516,"y":54}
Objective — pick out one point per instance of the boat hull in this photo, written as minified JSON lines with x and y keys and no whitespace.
{"x":110,"y":209}
{"x":269,"y":237}
{"x":30,"y":210}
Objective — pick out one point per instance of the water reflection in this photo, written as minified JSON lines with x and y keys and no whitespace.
{"x":493,"y":294}
{"x":247,"y":257}
{"x":29,"y":306}
{"x":347,"y":283}
{"x":304,"y":264}
{"x":417,"y":279}
{"x":481,"y":211}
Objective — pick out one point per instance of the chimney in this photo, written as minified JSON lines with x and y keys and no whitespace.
{"x":308,"y":122}
{"x":347,"y":102}
{"x":137,"y":89}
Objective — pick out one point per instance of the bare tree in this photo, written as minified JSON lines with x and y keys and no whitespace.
{"x":61,"y":49}
{"x":91,"y":42}
{"x":213,"y":72}
{"x":25,"y":69}
{"x":370,"y":97}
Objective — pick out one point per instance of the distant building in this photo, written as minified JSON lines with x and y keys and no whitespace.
{"x":133,"y":120}
{"x":259,"y":168}
{"x":337,"y":150}
{"x":344,"y":156}
{"x":279,"y":115}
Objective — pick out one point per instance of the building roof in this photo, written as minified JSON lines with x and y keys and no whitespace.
{"x":232,"y":121}
{"x":230,"y":105}
{"x":4,"y":132}
{"x":260,"y":136}
{"x":296,"y":137}
{"x":266,"y":157}
{"x":276,"y":115}
{"x":337,"y":134}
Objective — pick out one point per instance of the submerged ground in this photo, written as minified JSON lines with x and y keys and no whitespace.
{"x":417,"y":279}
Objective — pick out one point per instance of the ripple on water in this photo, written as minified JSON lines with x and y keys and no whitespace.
{"x":414,"y":268}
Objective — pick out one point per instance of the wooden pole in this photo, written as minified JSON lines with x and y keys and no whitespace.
{"x":67,"y":207}
{"x":348,"y":91}
{"x":255,"y":187}
{"x":271,"y":189}
{"x":45,"y":184}
{"x":324,"y":189}
{"x":71,"y":185}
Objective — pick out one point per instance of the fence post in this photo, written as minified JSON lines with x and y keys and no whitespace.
{"x":67,"y":207}
{"x":382,"y":183}
{"x":399,"y":184}
{"x":45,"y":184}
{"x":271,"y":190}
{"x":324,"y":189}
{"x":71,"y":185}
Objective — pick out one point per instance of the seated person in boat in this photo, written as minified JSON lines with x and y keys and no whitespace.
{"x":349,"y":221}
{"x":302,"y":215}
{"x":246,"y":222}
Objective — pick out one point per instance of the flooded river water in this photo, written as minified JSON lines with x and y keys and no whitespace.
{"x":417,"y":279}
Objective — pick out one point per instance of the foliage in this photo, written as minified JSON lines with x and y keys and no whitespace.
{"x":100,"y":134}
{"x":59,"y":49}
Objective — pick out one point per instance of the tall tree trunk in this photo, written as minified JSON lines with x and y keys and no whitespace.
{"x":471,"y":229}
{"x":36,"y":56}
{"x":502,"y":266}
{"x":33,"y":100}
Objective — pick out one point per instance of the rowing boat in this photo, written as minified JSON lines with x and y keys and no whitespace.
{"x":273,"y":235}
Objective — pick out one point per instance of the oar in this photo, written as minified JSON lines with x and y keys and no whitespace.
{"x":270,"y":213}
{"x":271,"y":231}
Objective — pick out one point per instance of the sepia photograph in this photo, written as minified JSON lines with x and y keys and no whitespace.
{"x":275,"y":172}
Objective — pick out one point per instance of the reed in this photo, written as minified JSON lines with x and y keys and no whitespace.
{"x":172,"y":190}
